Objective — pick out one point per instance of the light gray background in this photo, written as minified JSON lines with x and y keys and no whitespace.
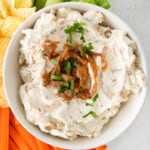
{"x":137,"y":14}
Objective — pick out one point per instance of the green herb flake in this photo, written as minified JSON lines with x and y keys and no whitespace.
{"x":89,"y":104}
{"x":95,"y":98}
{"x":86,"y":48}
{"x":56,"y":76}
{"x":74,"y":63}
{"x":62,"y":124}
{"x":76,"y":27}
{"x":54,"y":61}
{"x":82,"y":36}
{"x":65,"y":84}
{"x":67,"y":66}
{"x":72,"y":85}
{"x":63,"y":87}
{"x":69,"y":40}
{"x":92,"y":113}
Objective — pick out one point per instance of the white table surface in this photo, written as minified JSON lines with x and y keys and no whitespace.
{"x":137,"y":14}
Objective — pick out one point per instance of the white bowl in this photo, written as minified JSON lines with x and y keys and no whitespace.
{"x":12,"y":82}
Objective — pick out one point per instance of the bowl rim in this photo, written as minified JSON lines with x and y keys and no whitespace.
{"x":37,"y":15}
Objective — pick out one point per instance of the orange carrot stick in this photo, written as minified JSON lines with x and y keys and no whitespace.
{"x":42,"y":145}
{"x":57,"y":148}
{"x":13,"y":120}
{"x":21,"y":144}
{"x":12,"y":145}
{"x":28,"y":138}
{"x":104,"y":147}
{"x":4,"y":128}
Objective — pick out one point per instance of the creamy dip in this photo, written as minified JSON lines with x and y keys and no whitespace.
{"x":122,"y":78}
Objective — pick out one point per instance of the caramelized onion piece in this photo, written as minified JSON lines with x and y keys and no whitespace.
{"x":65,"y":96}
{"x":46,"y":78}
{"x":67,"y":77}
{"x":84,"y":94}
{"x":104,"y":60}
{"x":94,"y":68}
{"x":83,"y":87}
{"x":65,"y":52}
{"x":78,"y":58}
{"x":83,"y":75}
{"x":50,"y":47}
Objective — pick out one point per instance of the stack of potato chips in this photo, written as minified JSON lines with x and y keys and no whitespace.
{"x":12,"y":14}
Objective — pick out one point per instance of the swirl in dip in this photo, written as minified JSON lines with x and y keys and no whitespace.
{"x":76,"y":72}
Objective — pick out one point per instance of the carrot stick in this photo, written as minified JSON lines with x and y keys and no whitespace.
{"x":42,"y":145}
{"x":51,"y":147}
{"x":57,"y":148}
{"x":30,"y":140}
{"x":26,"y":136}
{"x":104,"y":147}
{"x":22,"y":145}
{"x":12,"y":145}
{"x":4,"y":128}
{"x":13,"y":120}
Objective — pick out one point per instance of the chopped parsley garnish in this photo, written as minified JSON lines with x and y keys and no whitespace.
{"x":95,"y":98}
{"x":63,"y":87}
{"x":69,"y":40}
{"x":74,"y":63}
{"x":72,"y":85}
{"x":62,"y":124}
{"x":56,"y":76}
{"x":89,"y":104}
{"x":76,"y":27}
{"x":82,"y":36}
{"x":86,"y":48}
{"x":54,"y":61}
{"x":92,"y":113}
{"x":68,"y":65}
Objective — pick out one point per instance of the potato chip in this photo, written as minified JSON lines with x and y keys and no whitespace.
{"x":4,"y":8}
{"x":3,"y":45}
{"x":10,"y":25}
{"x":7,"y":8}
{"x":23,"y":3}
{"x":1,"y":23}
{"x":10,"y":20}
{"x":13,"y":10}
{"x":1,"y":17}
{"x":26,"y":12}
{"x":3,"y":101}
{"x":11,"y":3}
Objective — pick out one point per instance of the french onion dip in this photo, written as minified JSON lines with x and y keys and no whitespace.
{"x":76,"y":72}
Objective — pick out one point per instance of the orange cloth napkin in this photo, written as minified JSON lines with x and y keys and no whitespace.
{"x":14,"y":137}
